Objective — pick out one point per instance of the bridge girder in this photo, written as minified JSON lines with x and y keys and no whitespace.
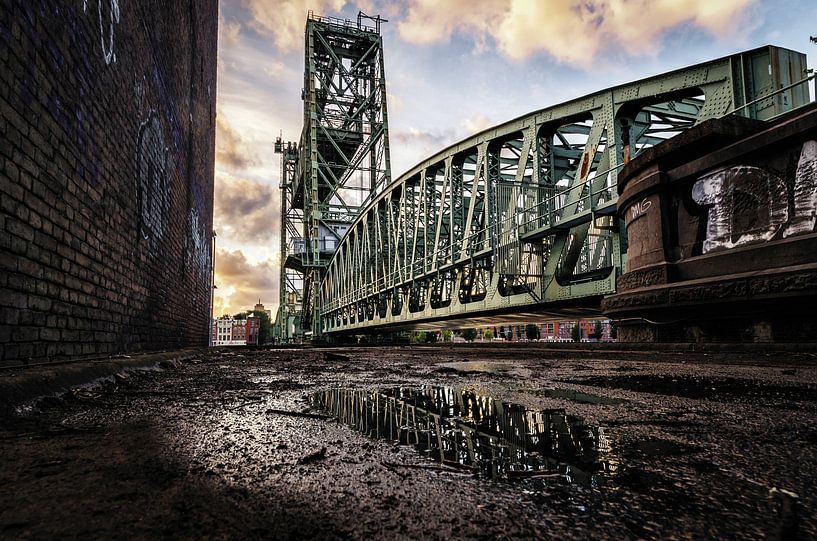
{"x":521,"y":218}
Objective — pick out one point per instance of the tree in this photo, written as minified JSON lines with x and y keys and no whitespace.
{"x":531,"y":331}
{"x":431,"y":337}
{"x":488,"y":335}
{"x":447,"y":334}
{"x":469,"y":334}
{"x":576,"y":332}
{"x":599,"y":329}
{"x":418,"y":337}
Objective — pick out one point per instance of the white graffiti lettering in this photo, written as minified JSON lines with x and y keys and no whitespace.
{"x":109,"y":19}
{"x":805,"y":192}
{"x":198,"y":245}
{"x":747,"y":204}
{"x":639,"y":208}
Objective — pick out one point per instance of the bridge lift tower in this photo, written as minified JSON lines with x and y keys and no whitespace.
{"x":343,"y":153}
{"x":287,"y":328}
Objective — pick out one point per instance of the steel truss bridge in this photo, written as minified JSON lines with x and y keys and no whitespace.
{"x":519,"y":222}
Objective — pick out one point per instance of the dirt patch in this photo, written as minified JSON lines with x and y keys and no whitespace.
{"x":232,"y":445}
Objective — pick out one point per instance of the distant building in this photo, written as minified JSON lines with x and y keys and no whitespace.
{"x":239,"y":333}
{"x":253,"y":328}
{"x":260,"y":308}
{"x":229,"y":332}
{"x":555,"y":331}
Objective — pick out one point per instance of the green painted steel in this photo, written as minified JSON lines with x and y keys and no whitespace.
{"x":287,"y":326}
{"x":344,"y":152}
{"x":519,"y":221}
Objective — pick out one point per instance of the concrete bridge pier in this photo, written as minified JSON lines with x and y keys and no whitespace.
{"x":721,"y":229}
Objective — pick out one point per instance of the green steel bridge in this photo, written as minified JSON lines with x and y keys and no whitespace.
{"x":516,"y":223}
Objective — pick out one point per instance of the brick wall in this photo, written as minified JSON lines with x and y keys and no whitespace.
{"x":107,"y":123}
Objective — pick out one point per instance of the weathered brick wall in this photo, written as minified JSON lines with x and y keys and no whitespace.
{"x":107,"y":122}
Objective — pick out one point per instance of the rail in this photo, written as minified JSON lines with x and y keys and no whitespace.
{"x":778,"y":91}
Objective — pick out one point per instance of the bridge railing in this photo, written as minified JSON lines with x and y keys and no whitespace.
{"x":550,"y":211}
{"x":344,"y":23}
{"x":466,"y":250}
{"x":775,"y":92}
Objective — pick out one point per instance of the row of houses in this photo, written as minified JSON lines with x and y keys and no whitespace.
{"x":235,"y":332}
{"x":590,"y":330}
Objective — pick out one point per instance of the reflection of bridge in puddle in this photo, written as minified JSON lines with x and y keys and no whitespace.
{"x":461,"y":428}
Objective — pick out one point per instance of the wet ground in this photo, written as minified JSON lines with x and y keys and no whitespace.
{"x":431,"y":443}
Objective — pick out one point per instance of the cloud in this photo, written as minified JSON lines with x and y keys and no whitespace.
{"x":476,"y":124}
{"x":416,"y":136}
{"x":275,"y":70}
{"x":568,"y":30}
{"x":413,"y":145}
{"x":245,"y":210}
{"x":240,"y":284}
{"x":228,"y":32}
{"x":430,"y":21}
{"x":284,"y":20}
{"x":230,"y":148}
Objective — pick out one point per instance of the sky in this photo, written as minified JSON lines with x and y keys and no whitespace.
{"x":453,"y":67}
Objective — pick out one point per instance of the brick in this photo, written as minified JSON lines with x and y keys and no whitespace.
{"x":13,"y":299}
{"x":39,"y":303}
{"x":51,"y":335}
{"x":25,"y":334}
{"x":76,"y":276}
{"x":20,"y":229}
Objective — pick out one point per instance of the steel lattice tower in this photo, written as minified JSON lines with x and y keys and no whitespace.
{"x":344,"y":147}
{"x":291,"y":283}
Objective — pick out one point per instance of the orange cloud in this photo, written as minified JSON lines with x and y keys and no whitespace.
{"x":569,"y":30}
{"x":284,"y":20}
{"x":240,"y":284}
{"x":246,"y":210}
{"x":231,"y":150}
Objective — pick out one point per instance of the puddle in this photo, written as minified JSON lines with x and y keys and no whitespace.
{"x":577,"y":396}
{"x":461,"y":428}
{"x":484,"y":367}
{"x":701,"y":387}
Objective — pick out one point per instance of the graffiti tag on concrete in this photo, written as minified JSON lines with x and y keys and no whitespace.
{"x":805,"y":192}
{"x":748,"y":204}
{"x":639,"y":208}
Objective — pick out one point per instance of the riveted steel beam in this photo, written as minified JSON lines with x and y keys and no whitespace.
{"x":520,"y":218}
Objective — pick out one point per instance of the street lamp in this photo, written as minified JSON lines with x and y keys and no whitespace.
{"x":212,"y":290}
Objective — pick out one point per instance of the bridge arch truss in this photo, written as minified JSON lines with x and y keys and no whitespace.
{"x":520,"y":219}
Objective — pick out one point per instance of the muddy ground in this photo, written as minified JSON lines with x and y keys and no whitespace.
{"x":231,"y":445}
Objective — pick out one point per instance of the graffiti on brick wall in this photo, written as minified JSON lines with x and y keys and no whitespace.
{"x":153,"y":165}
{"x":108,"y":11}
{"x":747,"y":204}
{"x":198,"y":250}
